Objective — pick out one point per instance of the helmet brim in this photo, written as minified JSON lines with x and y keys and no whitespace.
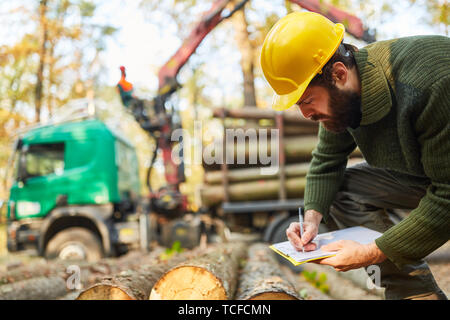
{"x":285,"y":101}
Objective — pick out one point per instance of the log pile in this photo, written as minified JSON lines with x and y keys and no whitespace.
{"x":217,"y":272}
{"x":136,"y":283}
{"x":253,"y":190}
{"x":244,"y":180}
{"x":56,"y":278}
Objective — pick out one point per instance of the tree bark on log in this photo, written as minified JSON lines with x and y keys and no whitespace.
{"x":90,"y":272}
{"x":262,"y":278}
{"x":212,"y":276}
{"x":241,"y":154}
{"x":24,"y":282}
{"x":127,"y":285}
{"x":41,"y":288}
{"x":299,"y":147}
{"x":249,"y":191}
{"x":251,"y":174}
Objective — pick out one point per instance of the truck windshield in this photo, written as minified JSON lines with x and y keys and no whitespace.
{"x":40,"y":160}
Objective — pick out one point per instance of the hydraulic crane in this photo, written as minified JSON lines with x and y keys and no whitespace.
{"x":154,"y":116}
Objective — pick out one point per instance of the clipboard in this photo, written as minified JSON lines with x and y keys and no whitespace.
{"x":359,"y":234}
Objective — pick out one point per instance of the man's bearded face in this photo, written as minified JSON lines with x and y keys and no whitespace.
{"x":336,"y":109}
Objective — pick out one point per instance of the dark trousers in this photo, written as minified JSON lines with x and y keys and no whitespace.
{"x":363,"y":198}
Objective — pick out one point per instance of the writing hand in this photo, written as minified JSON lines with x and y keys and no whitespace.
{"x":310,"y":230}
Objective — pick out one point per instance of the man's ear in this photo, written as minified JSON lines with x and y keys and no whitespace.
{"x":340,"y":74}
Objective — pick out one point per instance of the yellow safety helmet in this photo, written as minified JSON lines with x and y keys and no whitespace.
{"x":294,"y":51}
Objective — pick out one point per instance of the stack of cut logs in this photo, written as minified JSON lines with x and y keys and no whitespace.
{"x":246,"y":182}
{"x":218,"y":272}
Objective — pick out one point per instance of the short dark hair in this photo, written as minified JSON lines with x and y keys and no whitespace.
{"x":343,"y":54}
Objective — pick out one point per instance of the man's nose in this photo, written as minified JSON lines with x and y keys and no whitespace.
{"x":305,"y":113}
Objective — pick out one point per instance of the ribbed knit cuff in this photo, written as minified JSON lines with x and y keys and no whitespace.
{"x":320,"y":192}
{"x":323,"y":209}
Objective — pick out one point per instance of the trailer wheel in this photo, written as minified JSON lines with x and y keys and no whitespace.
{"x":74,"y":244}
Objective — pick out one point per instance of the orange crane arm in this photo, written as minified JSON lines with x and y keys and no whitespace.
{"x":353,"y":25}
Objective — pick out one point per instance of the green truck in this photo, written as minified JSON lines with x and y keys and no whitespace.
{"x":76,"y":195}
{"x":75,"y":192}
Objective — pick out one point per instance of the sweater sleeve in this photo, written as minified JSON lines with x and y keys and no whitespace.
{"x":428,"y":226}
{"x":326,"y":170}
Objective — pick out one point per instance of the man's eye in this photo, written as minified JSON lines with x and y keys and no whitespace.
{"x":300,"y":103}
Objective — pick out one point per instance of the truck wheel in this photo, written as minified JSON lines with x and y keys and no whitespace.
{"x":74,"y":244}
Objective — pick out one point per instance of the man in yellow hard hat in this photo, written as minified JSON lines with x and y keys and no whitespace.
{"x":392,"y":100}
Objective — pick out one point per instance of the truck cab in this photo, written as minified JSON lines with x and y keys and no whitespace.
{"x":75,"y":192}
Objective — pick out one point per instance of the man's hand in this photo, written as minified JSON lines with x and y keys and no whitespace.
{"x":310,"y":229}
{"x":352,"y":255}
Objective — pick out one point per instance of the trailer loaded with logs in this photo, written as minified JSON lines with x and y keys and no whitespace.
{"x":256,"y":195}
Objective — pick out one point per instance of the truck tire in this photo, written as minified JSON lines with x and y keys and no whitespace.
{"x":74,"y":244}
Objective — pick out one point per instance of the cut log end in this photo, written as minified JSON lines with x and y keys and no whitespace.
{"x":188,"y":283}
{"x":104,"y":292}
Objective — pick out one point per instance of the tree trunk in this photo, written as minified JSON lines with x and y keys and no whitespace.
{"x":42,"y":288}
{"x":212,"y":276}
{"x":262,"y":278}
{"x":251,"y":174}
{"x":288,"y":5}
{"x":42,"y":55}
{"x":247,"y":56}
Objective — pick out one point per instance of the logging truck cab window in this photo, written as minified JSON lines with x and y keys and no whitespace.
{"x":36,"y":160}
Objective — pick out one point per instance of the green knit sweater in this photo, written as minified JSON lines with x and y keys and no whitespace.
{"x":405,"y":127}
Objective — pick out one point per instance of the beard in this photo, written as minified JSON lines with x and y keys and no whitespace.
{"x":345,"y":110}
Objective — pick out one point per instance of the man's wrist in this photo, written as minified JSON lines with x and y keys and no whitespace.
{"x":375,"y":255}
{"x":313,"y":216}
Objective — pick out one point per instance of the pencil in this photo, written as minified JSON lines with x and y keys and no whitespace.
{"x":300,"y":218}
